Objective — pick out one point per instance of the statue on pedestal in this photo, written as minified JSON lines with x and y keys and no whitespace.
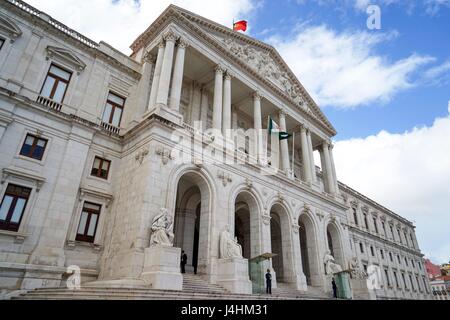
{"x":162,"y":229}
{"x":331,"y":267}
{"x":229,"y":247}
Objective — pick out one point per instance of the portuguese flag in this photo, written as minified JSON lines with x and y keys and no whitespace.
{"x":240,"y":25}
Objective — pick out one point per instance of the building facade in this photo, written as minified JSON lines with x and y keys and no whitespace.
{"x":95,"y":144}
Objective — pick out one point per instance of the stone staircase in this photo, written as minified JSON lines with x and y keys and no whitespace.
{"x":194,"y":288}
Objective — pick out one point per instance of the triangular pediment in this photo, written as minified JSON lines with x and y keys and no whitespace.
{"x":66,"y":56}
{"x":261,"y":59}
{"x":9,"y":28}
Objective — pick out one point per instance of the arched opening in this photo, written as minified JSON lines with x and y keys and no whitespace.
{"x":309,"y":249}
{"x":281,"y":244}
{"x":334,"y":244}
{"x":190,"y":225}
{"x":277,"y":245}
{"x":242,"y":228}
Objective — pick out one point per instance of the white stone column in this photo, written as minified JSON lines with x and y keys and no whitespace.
{"x":204,"y":109}
{"x":195,"y":105}
{"x":234,"y":117}
{"x":285,"y":163}
{"x":226,"y":111}
{"x":257,"y":118}
{"x":333,"y":168}
{"x":164,"y":82}
{"x":305,"y":156}
{"x":311,"y":155}
{"x":328,"y":171}
{"x":143,"y":90}
{"x":217,"y":104}
{"x":177,"y":79}
{"x":156,"y":75}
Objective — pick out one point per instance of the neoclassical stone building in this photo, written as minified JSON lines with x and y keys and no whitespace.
{"x":94,"y":143}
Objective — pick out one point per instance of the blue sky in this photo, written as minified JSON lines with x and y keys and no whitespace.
{"x":386,"y":91}
{"x":419,"y":32}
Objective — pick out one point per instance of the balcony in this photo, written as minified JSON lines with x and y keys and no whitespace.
{"x":109,"y":127}
{"x":49,"y":103}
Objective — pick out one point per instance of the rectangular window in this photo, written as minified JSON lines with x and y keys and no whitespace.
{"x":372,"y":251}
{"x":406,"y":262}
{"x":418,"y":283}
{"x":399,"y":236}
{"x":425,"y":284}
{"x":88,"y":222}
{"x":33,"y":147}
{"x":396,"y":279}
{"x":355,"y":216}
{"x":13,"y":206}
{"x":412,"y":263}
{"x":361,"y":247}
{"x":404,"y":280}
{"x":56,"y":83}
{"x":387,"y":277}
{"x":365,"y":267}
{"x":382,"y":253}
{"x":412,"y":283}
{"x":375,"y":224}
{"x":365,"y":222}
{"x":392,"y":231}
{"x":390,"y":257}
{"x":100,"y":168}
{"x":114,"y":109}
{"x":398,"y":258}
{"x":383,"y":225}
{"x":2,"y":42}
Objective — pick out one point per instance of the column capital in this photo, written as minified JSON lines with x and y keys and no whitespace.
{"x":148,"y":57}
{"x":304,"y":127}
{"x":282,"y":112}
{"x":257,"y":95}
{"x":183,"y":43}
{"x":161,"y":43}
{"x":228,"y":75}
{"x":219,"y":69}
{"x":170,"y":35}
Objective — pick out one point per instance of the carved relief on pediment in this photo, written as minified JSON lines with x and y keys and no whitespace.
{"x":263,"y":63}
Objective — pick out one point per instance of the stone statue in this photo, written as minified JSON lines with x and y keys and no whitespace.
{"x":162,"y":229}
{"x":229,"y":247}
{"x":356,"y":271}
{"x":331,"y":267}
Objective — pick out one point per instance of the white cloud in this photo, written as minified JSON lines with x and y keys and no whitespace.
{"x":120,"y":22}
{"x":343,"y":69}
{"x":409,"y":173}
{"x":438,"y":75}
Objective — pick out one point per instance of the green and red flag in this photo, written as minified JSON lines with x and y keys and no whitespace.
{"x":240,"y":26}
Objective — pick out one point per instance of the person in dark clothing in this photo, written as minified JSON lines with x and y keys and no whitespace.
{"x":333,"y":283}
{"x":268,"y":282}
{"x":183,"y":261}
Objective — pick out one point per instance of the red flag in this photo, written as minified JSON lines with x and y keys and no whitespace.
{"x":240,"y":25}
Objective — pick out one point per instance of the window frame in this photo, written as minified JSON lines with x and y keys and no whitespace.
{"x":57,"y":80}
{"x":5,"y":224}
{"x":33,"y":146}
{"x":2,"y":42}
{"x":355,"y":216}
{"x":114,"y":107}
{"x":84,"y":237}
{"x":98,"y":175}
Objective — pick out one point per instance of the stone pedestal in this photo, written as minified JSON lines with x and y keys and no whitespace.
{"x":359,"y":289}
{"x":162,"y":268}
{"x":233,"y":275}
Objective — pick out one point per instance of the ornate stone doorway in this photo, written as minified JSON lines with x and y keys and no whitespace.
{"x":309,"y":250}
{"x":277,"y":246}
{"x":334,"y":244}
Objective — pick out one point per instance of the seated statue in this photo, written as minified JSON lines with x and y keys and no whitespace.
{"x":229,"y":247}
{"x":331,"y":267}
{"x":162,"y":229}
{"x":356,"y":271}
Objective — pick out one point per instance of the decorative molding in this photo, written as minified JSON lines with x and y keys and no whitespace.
{"x":248,"y":183}
{"x":86,"y":191}
{"x":266,"y":218}
{"x":320,"y":215}
{"x":24,"y":175}
{"x":9,"y":28}
{"x":225,"y":177}
{"x":66,"y":56}
{"x":141,"y":154}
{"x":170,"y":35}
{"x":165,"y":154}
{"x":295,"y":227}
{"x":148,"y":57}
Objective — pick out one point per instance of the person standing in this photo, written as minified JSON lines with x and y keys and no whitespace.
{"x":183,"y":261}
{"x":333,"y":283}
{"x":268,"y":282}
